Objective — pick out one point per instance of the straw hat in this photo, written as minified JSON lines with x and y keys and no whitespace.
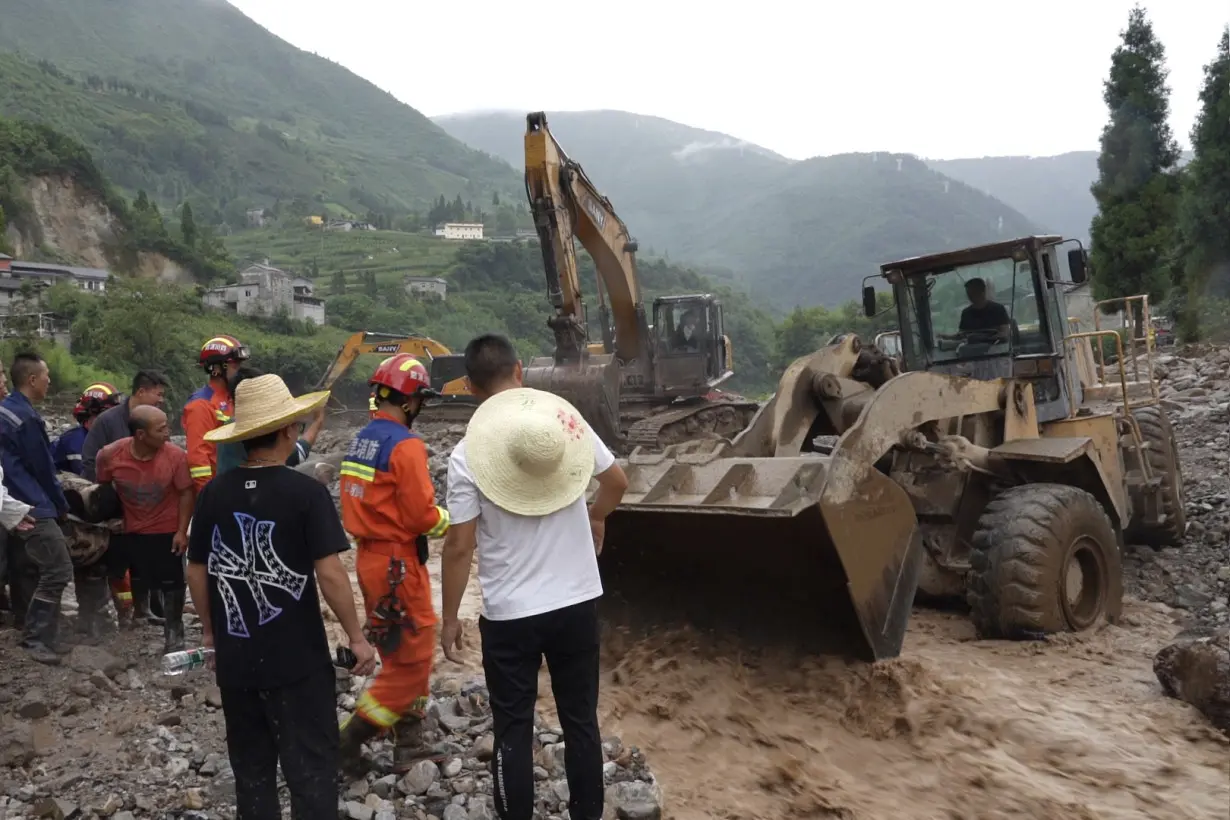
{"x":530,"y":451}
{"x":264,"y":404}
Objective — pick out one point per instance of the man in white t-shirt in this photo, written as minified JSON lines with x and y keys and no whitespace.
{"x":516,"y":493}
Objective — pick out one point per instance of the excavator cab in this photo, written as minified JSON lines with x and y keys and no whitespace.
{"x":690,"y":344}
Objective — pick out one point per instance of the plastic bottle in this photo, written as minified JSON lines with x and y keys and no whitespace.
{"x":177,"y":663}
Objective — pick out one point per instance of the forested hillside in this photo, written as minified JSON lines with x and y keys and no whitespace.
{"x":189,"y":99}
{"x":791,"y":233}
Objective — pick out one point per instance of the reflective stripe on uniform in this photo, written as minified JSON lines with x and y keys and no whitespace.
{"x":374,"y":713}
{"x":441,"y":526}
{"x":201,"y":472}
{"x":222,"y":417}
{"x":74,"y":457}
{"x":123,"y":596}
{"x":355,"y":469}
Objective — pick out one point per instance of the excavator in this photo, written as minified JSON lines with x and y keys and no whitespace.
{"x":645,"y":384}
{"x":447,"y":369}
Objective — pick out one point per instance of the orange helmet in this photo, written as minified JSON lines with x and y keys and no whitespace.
{"x":402,"y":374}
{"x":94,"y":400}
{"x":220,"y":350}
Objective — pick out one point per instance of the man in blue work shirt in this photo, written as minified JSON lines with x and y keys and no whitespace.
{"x":30,"y":477}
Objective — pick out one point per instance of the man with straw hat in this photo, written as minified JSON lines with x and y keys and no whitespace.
{"x":516,"y":492}
{"x":262,"y":536}
{"x":389,"y":506}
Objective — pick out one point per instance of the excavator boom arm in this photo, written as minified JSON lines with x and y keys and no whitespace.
{"x":566,"y":204}
{"x":387,"y":343}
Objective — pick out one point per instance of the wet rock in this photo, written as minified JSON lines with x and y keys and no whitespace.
{"x":16,"y":745}
{"x":1196,"y":670}
{"x":54,"y":808}
{"x":88,"y":659}
{"x":33,"y":705}
{"x":633,"y":800}
{"x":420,"y":778}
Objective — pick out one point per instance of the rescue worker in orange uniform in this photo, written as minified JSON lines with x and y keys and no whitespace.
{"x":210,"y":407}
{"x":389,"y":507}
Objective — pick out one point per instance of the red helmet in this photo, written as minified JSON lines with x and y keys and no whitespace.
{"x":95,"y":399}
{"x":404,"y":374}
{"x":220,"y":350}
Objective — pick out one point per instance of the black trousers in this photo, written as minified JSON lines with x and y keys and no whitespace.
{"x":512,"y":654}
{"x":150,"y":558}
{"x":295,"y":725}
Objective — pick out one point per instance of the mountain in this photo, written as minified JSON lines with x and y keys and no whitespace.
{"x":1052,"y":191}
{"x":793,"y":233}
{"x":191,"y":98}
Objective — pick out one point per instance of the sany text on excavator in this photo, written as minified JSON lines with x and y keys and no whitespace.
{"x":644,"y":385}
{"x":447,"y":369}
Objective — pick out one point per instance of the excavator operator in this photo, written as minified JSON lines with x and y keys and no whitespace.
{"x":686,"y":336}
{"x":210,"y":407}
{"x":389,"y":507}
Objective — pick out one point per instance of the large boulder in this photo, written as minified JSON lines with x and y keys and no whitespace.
{"x":1196,"y":670}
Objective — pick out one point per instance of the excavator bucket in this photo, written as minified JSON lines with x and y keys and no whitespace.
{"x":767,"y":538}
{"x":591,"y":386}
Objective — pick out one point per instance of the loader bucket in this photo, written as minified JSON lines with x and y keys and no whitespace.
{"x":591,"y":385}
{"x":811,"y":553}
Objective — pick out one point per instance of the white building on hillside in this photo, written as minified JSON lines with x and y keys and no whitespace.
{"x":462,"y":230}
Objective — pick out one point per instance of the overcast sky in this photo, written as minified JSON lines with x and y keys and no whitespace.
{"x":942,"y":79}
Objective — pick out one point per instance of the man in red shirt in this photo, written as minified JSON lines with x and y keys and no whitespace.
{"x":150,"y":475}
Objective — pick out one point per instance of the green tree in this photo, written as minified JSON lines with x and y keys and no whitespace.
{"x":187,"y":226}
{"x":1137,"y":188}
{"x":1204,"y":211}
{"x":370,"y":286}
{"x":337,"y":286}
{"x":495,"y":199}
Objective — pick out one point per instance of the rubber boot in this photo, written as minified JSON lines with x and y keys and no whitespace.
{"x":355,"y":732}
{"x":156,"y":614}
{"x":23,"y":580}
{"x":409,"y":747}
{"x":142,"y":598}
{"x":173,"y":626}
{"x":42,"y":621}
{"x":91,"y":603}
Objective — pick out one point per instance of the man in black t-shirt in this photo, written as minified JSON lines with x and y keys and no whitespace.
{"x":262,"y":536}
{"x":983,"y":314}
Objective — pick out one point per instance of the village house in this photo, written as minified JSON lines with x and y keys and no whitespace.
{"x":264,"y":290}
{"x":348,"y":225}
{"x":432,"y":287}
{"x":14,"y":273}
{"x":461,"y":230}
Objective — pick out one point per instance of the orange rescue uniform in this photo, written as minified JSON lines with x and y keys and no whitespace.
{"x":388,"y":502}
{"x":207,"y":409}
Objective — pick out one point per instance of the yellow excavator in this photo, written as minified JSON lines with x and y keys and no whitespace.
{"x":647,"y":385}
{"x":447,"y":369}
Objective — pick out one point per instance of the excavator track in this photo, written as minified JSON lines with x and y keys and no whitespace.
{"x":724,"y":418}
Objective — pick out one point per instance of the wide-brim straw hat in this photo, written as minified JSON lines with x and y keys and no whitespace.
{"x":530,"y":451}
{"x":264,"y":404}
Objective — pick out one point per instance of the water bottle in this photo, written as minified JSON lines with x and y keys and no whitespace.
{"x":177,"y":663}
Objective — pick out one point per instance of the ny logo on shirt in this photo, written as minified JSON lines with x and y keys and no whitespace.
{"x":231,"y":569}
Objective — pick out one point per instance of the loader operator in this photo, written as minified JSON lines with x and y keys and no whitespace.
{"x":983,"y":316}
{"x":210,"y":407}
{"x":389,"y":507}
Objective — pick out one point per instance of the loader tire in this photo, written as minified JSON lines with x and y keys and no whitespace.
{"x":1045,"y":559}
{"x":1163,"y":458}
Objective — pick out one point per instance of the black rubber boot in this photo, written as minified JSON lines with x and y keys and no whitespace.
{"x":42,"y":621}
{"x":173,"y":626}
{"x":410,"y":748}
{"x":92,"y":594}
{"x":355,"y":732}
{"x":156,"y":613}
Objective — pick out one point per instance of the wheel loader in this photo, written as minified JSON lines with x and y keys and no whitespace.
{"x":980,"y":471}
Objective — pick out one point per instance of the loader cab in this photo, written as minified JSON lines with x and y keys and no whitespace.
{"x":690,"y":344}
{"x":989,"y":312}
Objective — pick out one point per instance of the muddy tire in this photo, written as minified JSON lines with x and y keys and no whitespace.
{"x":1045,"y":559}
{"x":1163,"y":459}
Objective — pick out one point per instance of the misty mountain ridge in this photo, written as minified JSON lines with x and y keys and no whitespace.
{"x":792,"y":232}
